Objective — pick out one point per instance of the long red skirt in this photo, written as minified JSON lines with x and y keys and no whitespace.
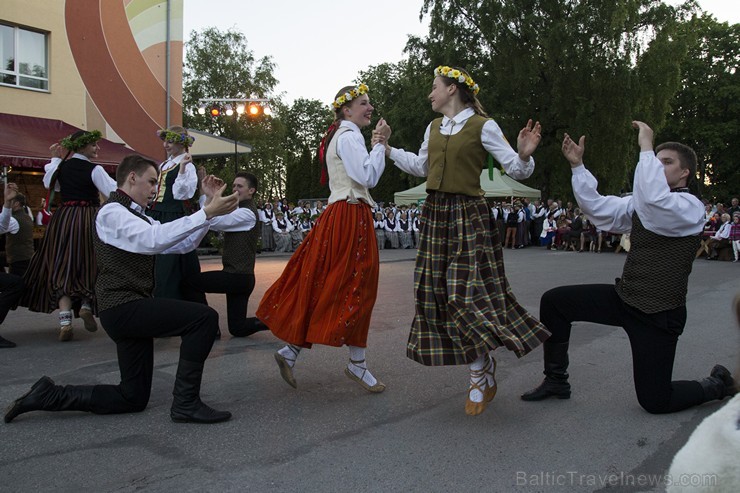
{"x":327,"y":291}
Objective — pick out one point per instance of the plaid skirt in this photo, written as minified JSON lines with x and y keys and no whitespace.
{"x":464,"y":304}
{"x":327,"y":291}
{"x":65,"y":262}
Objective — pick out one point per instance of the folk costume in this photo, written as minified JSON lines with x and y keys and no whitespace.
{"x":648,"y":301}
{"x":11,"y":286}
{"x":125,"y":242}
{"x":174,"y":200}
{"x":236,"y":280}
{"x":64,"y":264}
{"x":327,"y":291}
{"x":464,"y":305}
{"x":380,"y":230}
{"x":267,"y":215}
{"x":19,"y":241}
{"x":455,"y":230}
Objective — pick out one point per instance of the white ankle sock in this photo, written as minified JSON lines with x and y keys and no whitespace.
{"x":65,"y":318}
{"x":290,"y":353}
{"x":358,"y":366}
{"x":478,"y":377}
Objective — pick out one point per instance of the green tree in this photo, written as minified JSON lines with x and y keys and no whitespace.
{"x":582,"y":67}
{"x":705,"y":113}
{"x":305,"y":122}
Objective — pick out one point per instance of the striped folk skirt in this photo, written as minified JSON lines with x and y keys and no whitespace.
{"x":464,"y":304}
{"x":65,"y":262}
{"x":327,"y":291}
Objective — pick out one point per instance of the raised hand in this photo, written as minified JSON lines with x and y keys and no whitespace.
{"x":528,"y":139}
{"x":202,"y":173}
{"x":56,"y":150}
{"x":187,"y":158}
{"x":220,"y":204}
{"x":574,"y":152}
{"x":644,"y":136}
{"x":11,"y":191}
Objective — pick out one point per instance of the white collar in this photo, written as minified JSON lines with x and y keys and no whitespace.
{"x":461,"y":117}
{"x":80,"y":156}
{"x":350,"y":125}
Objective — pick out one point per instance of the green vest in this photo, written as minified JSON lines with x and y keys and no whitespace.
{"x":456,"y":161}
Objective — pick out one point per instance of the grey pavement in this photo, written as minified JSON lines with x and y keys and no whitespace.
{"x":330,"y":435}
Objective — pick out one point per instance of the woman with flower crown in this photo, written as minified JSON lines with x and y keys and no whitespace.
{"x":464,"y":306}
{"x":62,"y":271}
{"x":178,"y":184}
{"x":327,"y":291}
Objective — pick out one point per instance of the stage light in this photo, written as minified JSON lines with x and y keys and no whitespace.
{"x":215,"y":111}
{"x":254,"y":109}
{"x":240,"y":108}
{"x":229,"y":110}
{"x":202,"y":109}
{"x":267,"y":110}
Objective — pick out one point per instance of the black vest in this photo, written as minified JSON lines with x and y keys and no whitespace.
{"x":75,"y":181}
{"x":122,"y":276}
{"x":240,"y":247}
{"x":19,"y":247}
{"x":656,"y":273}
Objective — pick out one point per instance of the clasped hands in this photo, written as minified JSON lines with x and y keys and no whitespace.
{"x":381,"y":134}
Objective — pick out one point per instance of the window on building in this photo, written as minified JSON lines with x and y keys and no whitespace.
{"x":24,"y":58}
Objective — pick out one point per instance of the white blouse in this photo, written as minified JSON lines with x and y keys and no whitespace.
{"x":492,"y":138}
{"x":672,"y":214}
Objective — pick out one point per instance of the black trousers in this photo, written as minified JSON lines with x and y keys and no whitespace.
{"x":237,"y":287}
{"x":133,"y":327}
{"x":11,"y":289}
{"x":653,"y":338}
{"x":19,"y":268}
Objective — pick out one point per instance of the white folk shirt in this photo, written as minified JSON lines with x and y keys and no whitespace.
{"x":363,"y":167}
{"x":672,"y":214}
{"x":492,"y":138}
{"x":185,"y":183}
{"x":103,"y":182}
{"x":119,"y":228}
{"x":8,"y":223}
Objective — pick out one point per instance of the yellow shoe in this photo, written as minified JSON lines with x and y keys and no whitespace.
{"x":65,"y":333}
{"x":475,"y":408}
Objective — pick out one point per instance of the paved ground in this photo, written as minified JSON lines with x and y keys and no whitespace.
{"x":330,"y":435}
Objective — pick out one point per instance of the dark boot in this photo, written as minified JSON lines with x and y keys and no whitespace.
{"x":251,"y":325}
{"x":6,"y":343}
{"x":719,"y":384}
{"x":555,"y":383}
{"x":186,"y":405}
{"x":46,"y":396}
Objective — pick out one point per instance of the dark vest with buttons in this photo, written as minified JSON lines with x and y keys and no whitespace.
{"x":122,"y":276}
{"x":656,"y":273}
{"x":75,"y":181}
{"x":19,"y":247}
{"x":240,"y":247}
{"x":456,"y":161}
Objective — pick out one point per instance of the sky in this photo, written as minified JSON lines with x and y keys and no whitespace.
{"x":319,"y":46}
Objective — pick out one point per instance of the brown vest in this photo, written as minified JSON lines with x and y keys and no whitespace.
{"x":240,"y":247}
{"x":19,"y":247}
{"x":656,"y":273}
{"x":456,"y":161}
{"x":122,"y":276}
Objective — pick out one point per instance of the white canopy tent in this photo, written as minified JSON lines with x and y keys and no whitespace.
{"x":501,"y":186}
